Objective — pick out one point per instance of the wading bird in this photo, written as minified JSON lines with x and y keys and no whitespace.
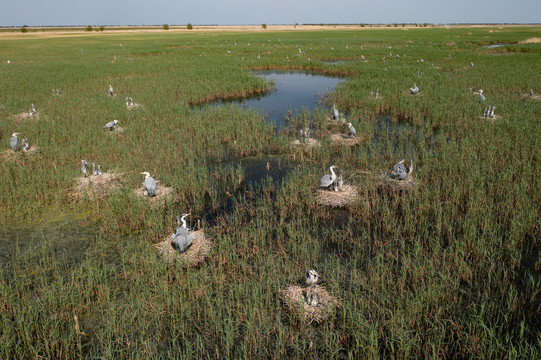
{"x":99,"y":170}
{"x":311,"y":277}
{"x":127,"y":102}
{"x":111,"y":90}
{"x":149,"y":185}
{"x":94,"y":171}
{"x":182,"y":239}
{"x":131,"y":102}
{"x":329,"y":181}
{"x":111,"y":125}
{"x":481,"y":96}
{"x":492,"y":112}
{"x":414,"y":90}
{"x":531,"y":92}
{"x":13,"y":141}
{"x":352,"y":131}
{"x":340,"y":180}
{"x":25,"y":146}
{"x":400,"y":172}
{"x":84,"y":167}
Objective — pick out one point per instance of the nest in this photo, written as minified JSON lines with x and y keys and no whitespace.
{"x":528,"y":97}
{"x":294,"y":298}
{"x":162,"y":195}
{"x":134,"y":106}
{"x":341,"y":119}
{"x":310,"y":143}
{"x":345,"y":139}
{"x":194,"y":256}
{"x":116,"y":129}
{"x":491,"y":119}
{"x":346,"y":194}
{"x":407,"y":184}
{"x":95,"y":186}
{"x":12,"y":156}
{"x":26,"y":116}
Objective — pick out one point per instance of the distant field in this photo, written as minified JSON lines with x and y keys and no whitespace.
{"x":450,"y":268}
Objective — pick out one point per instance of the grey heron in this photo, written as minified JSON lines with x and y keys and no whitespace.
{"x":111,"y":125}
{"x":481,"y":96}
{"x":328,"y":181}
{"x":340,"y":180}
{"x":131,"y":102}
{"x":352,"y":131}
{"x":24,"y":144}
{"x":531,"y":92}
{"x":94,"y":171}
{"x":485,"y":113}
{"x":492,"y":112}
{"x":335,"y":112}
{"x":182,"y":239}
{"x":414,"y":90}
{"x":311,"y":277}
{"x":34,"y":109}
{"x":84,"y":167}
{"x":13,"y":141}
{"x":471,"y":64}
{"x":400,"y":171}
{"x":149,"y":185}
{"x":362,"y":57}
{"x":111,"y":90}
{"x":377,"y":93}
{"x":99,"y":170}
{"x":127,"y":102}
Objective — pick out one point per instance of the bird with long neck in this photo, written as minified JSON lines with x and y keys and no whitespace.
{"x":14,"y":141}
{"x":149,"y":185}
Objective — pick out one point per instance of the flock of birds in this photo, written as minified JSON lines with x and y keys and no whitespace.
{"x":14,"y":142}
{"x":95,"y":171}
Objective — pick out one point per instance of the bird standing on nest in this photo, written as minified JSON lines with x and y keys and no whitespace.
{"x":13,"y":141}
{"x":312,"y":297}
{"x":352,"y":131}
{"x":329,"y":181}
{"x":84,"y":167}
{"x":111,"y":92}
{"x":400,"y":172}
{"x":149,"y":185}
{"x":182,"y":239}
{"x":111,"y":125}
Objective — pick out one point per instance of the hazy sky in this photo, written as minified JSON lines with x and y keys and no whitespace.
{"x":236,"y":12}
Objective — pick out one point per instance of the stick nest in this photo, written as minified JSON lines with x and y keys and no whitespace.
{"x":341,"y":119}
{"x":162,"y":195}
{"x":19,"y":156}
{"x":134,"y":106}
{"x":394,"y":184}
{"x":95,"y":186}
{"x":491,"y":119}
{"x":346,"y":194}
{"x":345,"y":139}
{"x":116,"y":130}
{"x":25,"y":116}
{"x":194,"y":256}
{"x":310,"y":143}
{"x":294,"y":298}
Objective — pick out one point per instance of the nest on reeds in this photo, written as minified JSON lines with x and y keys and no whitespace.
{"x":295,"y":301}
{"x":12,"y":156}
{"x":532,"y":97}
{"x":346,"y":194}
{"x":341,"y":119}
{"x":95,"y":186}
{"x":25,"y":116}
{"x":116,"y":130}
{"x":162,"y":195}
{"x":310,"y":143}
{"x":394,"y":184}
{"x":194,"y":256}
{"x":491,"y":119}
{"x":345,"y":139}
{"x":134,"y":106}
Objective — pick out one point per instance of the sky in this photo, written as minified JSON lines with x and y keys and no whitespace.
{"x":256,"y":12}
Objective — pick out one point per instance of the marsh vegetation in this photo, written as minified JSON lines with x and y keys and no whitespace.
{"x":448,"y":269}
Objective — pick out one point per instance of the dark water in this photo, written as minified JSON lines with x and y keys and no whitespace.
{"x":294,"y":91}
{"x":66,"y":238}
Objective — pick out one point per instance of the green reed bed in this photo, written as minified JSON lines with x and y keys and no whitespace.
{"x":450,"y":269}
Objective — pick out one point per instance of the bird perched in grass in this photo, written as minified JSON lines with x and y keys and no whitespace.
{"x":400,"y":172}
{"x":329,"y":181}
{"x":414,"y":90}
{"x":13,"y":141}
{"x":182,"y":239}
{"x":311,"y":277}
{"x":352,"y":131}
{"x":111,"y":125}
{"x":25,"y":146}
{"x":482,"y":97}
{"x":84,"y":167}
{"x":149,"y":185}
{"x":111,"y":92}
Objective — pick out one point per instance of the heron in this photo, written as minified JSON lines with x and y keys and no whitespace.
{"x":13,"y":141}
{"x":352,"y":131}
{"x":311,"y":277}
{"x":336,"y":113}
{"x":362,"y":57}
{"x":182,"y":239}
{"x":99,"y":170}
{"x":328,"y":181}
{"x":131,"y":102}
{"x":400,"y":172}
{"x":531,"y":92}
{"x":94,"y":171}
{"x":340,"y":181}
{"x":111,"y":90}
{"x":111,"y":125}
{"x":24,"y":144}
{"x":492,"y":112}
{"x":485,"y":113}
{"x":34,"y":109}
{"x":149,"y":185}
{"x":471,"y":64}
{"x":414,"y":90}
{"x":481,"y":96}
{"x":377,"y":93}
{"x":84,"y":167}
{"x":127,"y":102}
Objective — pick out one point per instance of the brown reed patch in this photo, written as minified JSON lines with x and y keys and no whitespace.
{"x":95,"y":186}
{"x":533,"y":40}
{"x":394,"y":184}
{"x":134,"y":106}
{"x":194,"y":256}
{"x":294,"y":299}
{"x":528,"y":97}
{"x":490,"y":119}
{"x":346,"y":195}
{"x":116,"y":130}
{"x":25,"y":116}
{"x":341,"y":119}
{"x":19,"y":156}
{"x":345,"y":139}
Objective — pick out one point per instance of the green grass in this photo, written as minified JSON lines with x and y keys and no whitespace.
{"x":448,"y":270}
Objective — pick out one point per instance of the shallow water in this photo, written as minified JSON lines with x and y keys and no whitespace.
{"x":67,"y":237}
{"x":336,"y":62}
{"x":497,"y":45}
{"x":294,"y":91}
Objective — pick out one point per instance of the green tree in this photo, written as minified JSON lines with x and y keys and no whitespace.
{"x":189,"y":26}
{"x":24,"y":29}
{"x":89,"y":28}
{"x":264,"y":26}
{"x":166,"y":26}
